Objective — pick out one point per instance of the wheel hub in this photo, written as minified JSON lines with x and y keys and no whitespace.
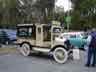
{"x":60,"y":55}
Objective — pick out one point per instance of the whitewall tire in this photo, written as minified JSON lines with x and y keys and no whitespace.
{"x":25,"y":49}
{"x":60,"y":55}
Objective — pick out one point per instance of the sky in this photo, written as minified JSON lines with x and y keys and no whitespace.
{"x":64,"y":3}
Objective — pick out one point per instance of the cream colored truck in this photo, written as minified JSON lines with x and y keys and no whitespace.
{"x":41,"y":38}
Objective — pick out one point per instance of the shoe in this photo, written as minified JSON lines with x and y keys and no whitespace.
{"x":93,"y":65}
{"x":87,"y":65}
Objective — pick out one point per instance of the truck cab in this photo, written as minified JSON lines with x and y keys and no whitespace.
{"x":41,"y":38}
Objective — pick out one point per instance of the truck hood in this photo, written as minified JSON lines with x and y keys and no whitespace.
{"x":57,"y":39}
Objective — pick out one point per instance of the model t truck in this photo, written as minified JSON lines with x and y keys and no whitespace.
{"x":41,"y":38}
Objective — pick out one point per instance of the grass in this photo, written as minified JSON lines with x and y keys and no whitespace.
{"x":7,"y":50}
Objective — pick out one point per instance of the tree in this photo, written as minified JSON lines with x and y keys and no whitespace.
{"x":84,"y":12}
{"x":38,"y":10}
{"x":45,"y":8}
{"x":8,"y":13}
{"x":13,"y":12}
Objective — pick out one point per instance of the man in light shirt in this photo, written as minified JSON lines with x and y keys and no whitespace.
{"x":91,"y":43}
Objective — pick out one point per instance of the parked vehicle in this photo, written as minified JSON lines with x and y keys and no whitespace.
{"x":41,"y":38}
{"x":77,"y":39}
{"x":7,"y":36}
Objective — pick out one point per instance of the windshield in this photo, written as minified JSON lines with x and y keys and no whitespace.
{"x":84,"y":35}
{"x":56,"y":30}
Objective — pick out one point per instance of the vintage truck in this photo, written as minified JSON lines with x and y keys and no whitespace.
{"x":41,"y":38}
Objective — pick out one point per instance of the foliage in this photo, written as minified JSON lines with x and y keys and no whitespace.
{"x":38,"y":11}
{"x":13,"y":12}
{"x":8,"y":13}
{"x":84,"y":14}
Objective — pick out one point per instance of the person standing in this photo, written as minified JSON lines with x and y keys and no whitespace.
{"x":91,"y":41}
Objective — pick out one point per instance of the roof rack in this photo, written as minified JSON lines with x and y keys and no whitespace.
{"x":24,"y":24}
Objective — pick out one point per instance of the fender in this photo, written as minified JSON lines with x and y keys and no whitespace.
{"x":26,"y":43}
{"x":59,"y":46}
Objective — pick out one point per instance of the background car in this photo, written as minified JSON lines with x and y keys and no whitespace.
{"x":7,"y":36}
{"x":77,"y":39}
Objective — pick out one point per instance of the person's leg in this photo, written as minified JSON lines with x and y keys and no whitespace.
{"x":89,"y":57}
{"x":94,"y":57}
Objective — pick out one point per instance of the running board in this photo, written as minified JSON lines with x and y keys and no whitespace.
{"x":41,"y":49}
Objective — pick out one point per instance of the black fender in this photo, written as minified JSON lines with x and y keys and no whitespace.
{"x":58,"y":46}
{"x":26,"y":43}
{"x":67,"y":42}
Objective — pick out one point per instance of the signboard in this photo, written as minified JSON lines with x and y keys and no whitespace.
{"x":76,"y":54}
{"x":68,"y":19}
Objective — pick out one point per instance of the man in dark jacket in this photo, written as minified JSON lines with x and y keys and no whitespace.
{"x":91,"y":49}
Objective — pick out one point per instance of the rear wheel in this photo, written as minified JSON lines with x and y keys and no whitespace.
{"x":60,"y":55}
{"x":25,"y":49}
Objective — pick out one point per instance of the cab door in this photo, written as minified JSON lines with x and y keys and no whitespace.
{"x":46,"y":36}
{"x":39,"y":37}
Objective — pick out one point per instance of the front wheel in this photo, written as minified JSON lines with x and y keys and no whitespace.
{"x":60,"y":55}
{"x":25,"y":49}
